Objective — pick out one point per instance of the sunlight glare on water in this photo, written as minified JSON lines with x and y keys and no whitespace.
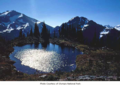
{"x":42,"y":60}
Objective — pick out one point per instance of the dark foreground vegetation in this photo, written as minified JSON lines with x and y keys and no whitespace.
{"x":96,"y":63}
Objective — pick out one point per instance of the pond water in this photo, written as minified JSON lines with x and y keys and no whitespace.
{"x":44,"y":58}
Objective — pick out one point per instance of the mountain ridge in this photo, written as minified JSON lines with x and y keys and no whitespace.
{"x":12,"y":22}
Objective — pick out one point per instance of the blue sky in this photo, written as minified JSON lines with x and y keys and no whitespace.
{"x":55,"y":12}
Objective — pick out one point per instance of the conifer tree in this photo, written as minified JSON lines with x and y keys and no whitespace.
{"x":94,"y":41}
{"x":73,"y":32}
{"x":59,"y":32}
{"x":80,"y":37}
{"x":20,"y":34}
{"x":70,"y":31}
{"x":31,"y":33}
{"x":23,"y":36}
{"x":67,"y":31}
{"x":54,"y":34}
{"x":62,"y":30}
{"x":118,"y":44}
{"x":28,"y":34}
{"x":36,"y":31}
{"x":45,"y":33}
{"x":108,"y":41}
{"x":102,"y":41}
{"x":49,"y":33}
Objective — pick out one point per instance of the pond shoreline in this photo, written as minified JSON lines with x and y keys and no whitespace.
{"x":16,"y":75}
{"x":60,"y":58}
{"x":6,"y":60}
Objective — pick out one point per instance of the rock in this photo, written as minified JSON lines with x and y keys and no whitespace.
{"x":10,"y":62}
{"x":4,"y":56}
{"x":19,"y":73}
{"x":43,"y":76}
{"x":115,"y":78}
{"x":15,"y":69}
{"x":70,"y":78}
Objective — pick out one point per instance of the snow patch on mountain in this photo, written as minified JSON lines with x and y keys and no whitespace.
{"x":12,"y":22}
{"x":7,"y":30}
{"x":101,"y":36}
{"x":77,"y":22}
{"x":18,"y":28}
{"x":106,"y":30}
{"x":108,"y":27}
{"x":4,"y":14}
{"x":21,"y":15}
{"x":38,"y":22}
{"x":8,"y":26}
{"x":86,"y":25}
{"x":117,"y":27}
{"x":26,"y":25}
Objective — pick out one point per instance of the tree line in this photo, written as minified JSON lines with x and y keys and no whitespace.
{"x":45,"y":34}
{"x":76,"y":34}
{"x":71,"y":32}
{"x":65,"y":31}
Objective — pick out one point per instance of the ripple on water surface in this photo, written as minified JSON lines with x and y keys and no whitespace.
{"x":31,"y":57}
{"x":46,"y":61}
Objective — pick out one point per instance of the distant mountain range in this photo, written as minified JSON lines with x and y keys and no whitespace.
{"x":12,"y":21}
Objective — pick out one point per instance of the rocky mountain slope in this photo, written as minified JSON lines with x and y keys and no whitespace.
{"x":11,"y":22}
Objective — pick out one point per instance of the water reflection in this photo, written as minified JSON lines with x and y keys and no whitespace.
{"x":44,"y":45}
{"x":36,"y":45}
{"x":62,"y":48}
{"x":50,"y":59}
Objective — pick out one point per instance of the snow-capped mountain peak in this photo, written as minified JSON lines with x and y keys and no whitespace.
{"x":117,"y":27}
{"x":77,"y":21}
{"x":108,"y":27}
{"x":106,"y":30}
{"x":5,"y":13}
{"x":12,"y":21}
